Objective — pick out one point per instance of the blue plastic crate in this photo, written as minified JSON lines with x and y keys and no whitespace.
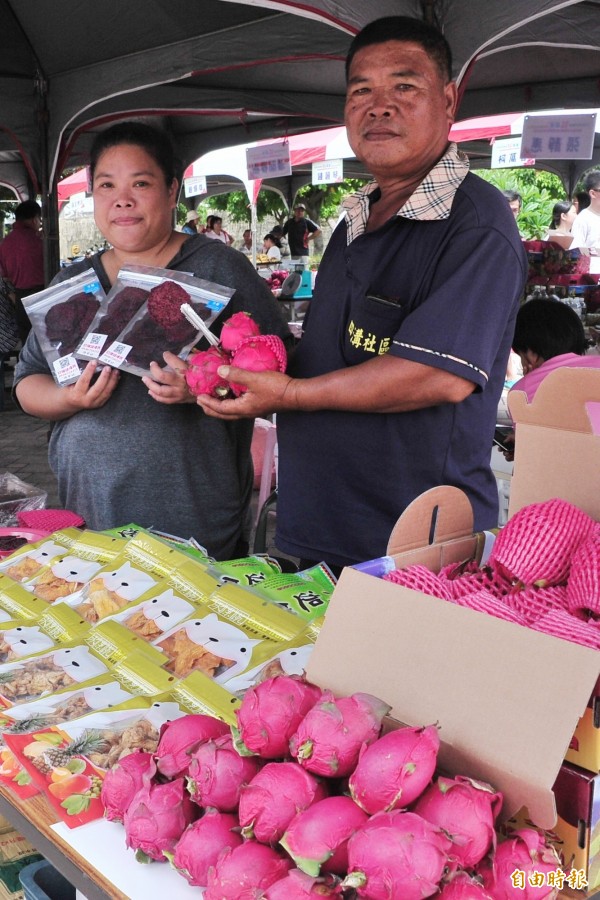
{"x":41,"y":881}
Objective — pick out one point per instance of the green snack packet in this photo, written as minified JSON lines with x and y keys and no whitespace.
{"x":305,"y":593}
{"x":199,"y":694}
{"x":248,"y":571}
{"x":125,"y":531}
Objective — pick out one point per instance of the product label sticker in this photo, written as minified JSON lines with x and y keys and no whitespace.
{"x":116,"y":354}
{"x":92,"y":345}
{"x":94,"y":287}
{"x":66,"y":368}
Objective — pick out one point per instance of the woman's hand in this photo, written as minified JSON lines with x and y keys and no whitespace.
{"x":169,"y":385}
{"x":266,"y":392}
{"x":88,"y":393}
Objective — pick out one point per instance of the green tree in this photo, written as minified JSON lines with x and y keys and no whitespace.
{"x":539,"y":191}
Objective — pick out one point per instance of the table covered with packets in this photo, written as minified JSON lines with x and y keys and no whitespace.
{"x":105,"y":637}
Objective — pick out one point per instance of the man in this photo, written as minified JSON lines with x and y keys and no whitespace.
{"x":515,"y":201}
{"x":299,"y":231}
{"x":394,"y":386}
{"x":247,"y":242}
{"x":22,"y":259}
{"x":191,"y":223}
{"x":586,"y":227}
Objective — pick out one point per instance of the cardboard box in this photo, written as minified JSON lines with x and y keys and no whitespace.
{"x":507,"y":699}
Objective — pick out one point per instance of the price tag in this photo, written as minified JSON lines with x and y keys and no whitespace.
{"x":116,"y":354}
{"x":66,"y":369}
{"x":92,"y":345}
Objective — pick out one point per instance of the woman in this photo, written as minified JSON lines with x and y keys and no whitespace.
{"x":272,"y":247}
{"x":126,"y":449}
{"x":215,"y":230}
{"x":563,"y":216}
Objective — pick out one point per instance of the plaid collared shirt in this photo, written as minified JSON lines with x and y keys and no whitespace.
{"x":431,"y":200}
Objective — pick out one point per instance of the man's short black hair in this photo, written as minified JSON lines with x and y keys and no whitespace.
{"x":591,"y":182}
{"x":549,"y":328}
{"x":26,"y":210}
{"x":511,"y":196}
{"x":405,"y":29}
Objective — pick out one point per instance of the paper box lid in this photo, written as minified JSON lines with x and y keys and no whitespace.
{"x":506,"y":698}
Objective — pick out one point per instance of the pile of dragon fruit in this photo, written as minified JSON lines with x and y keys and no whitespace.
{"x":241,"y":344}
{"x":276,"y":279}
{"x":307,"y":797}
{"x":543,"y":572}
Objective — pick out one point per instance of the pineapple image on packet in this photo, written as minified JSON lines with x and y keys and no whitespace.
{"x":70,"y":703}
{"x":69,"y":761}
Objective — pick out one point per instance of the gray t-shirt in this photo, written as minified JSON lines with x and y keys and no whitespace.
{"x":171,"y":467}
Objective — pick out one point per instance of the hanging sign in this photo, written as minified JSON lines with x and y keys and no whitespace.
{"x":268,"y":160}
{"x":328,"y":171}
{"x":194,"y":186}
{"x":506,"y":154}
{"x":559,"y":136}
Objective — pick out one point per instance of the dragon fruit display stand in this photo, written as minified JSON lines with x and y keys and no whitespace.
{"x":507,"y":699}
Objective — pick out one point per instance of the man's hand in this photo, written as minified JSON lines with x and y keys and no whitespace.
{"x":169,"y":385}
{"x":267,"y":392}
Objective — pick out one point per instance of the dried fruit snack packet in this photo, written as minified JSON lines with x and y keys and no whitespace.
{"x":142,"y":676}
{"x":159,"y":324}
{"x":256,"y":614}
{"x":248,"y":571}
{"x":63,"y":624}
{"x":69,"y":761}
{"x":201,"y":695}
{"x":60,"y":315}
{"x":44,"y":673}
{"x":113,"y":643}
{"x":70,"y":703}
{"x":150,"y":618}
{"x":27,"y":562}
{"x":17,"y":603}
{"x":270,"y":660}
{"x":193,"y":581}
{"x":304,"y":593}
{"x":112,"y":588}
{"x":22,"y":638}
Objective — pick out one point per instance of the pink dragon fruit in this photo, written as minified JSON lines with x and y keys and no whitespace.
{"x":201,"y":843}
{"x":245,"y":872}
{"x":298,"y":885}
{"x":397,"y":854}
{"x":123,"y":781}
{"x":329,"y":738}
{"x":467,"y":811}
{"x":237,"y":328}
{"x":527,"y":854}
{"x":393,"y":771}
{"x":179,"y":737}
{"x":274,"y":796}
{"x":156,"y":818}
{"x":270,"y":713}
{"x":317,"y":838}
{"x":264,"y":353}
{"x":201,"y":376}
{"x":217,"y":773}
{"x":464,"y":886}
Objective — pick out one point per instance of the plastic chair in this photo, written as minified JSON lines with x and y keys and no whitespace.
{"x":267,"y":497}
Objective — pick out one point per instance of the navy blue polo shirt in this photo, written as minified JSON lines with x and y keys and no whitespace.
{"x":441,"y":292}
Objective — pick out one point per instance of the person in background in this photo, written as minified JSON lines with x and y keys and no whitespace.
{"x":191,"y":223}
{"x":125,"y":448}
{"x":563,"y":216}
{"x":272,"y":247}
{"x":22,"y":259}
{"x":388,"y":393}
{"x":215,"y":230}
{"x":247,"y":242}
{"x":277,"y":230}
{"x":549,"y":335}
{"x":299,"y":230}
{"x":515,"y":202}
{"x":586,"y":227}
{"x":581,"y":200}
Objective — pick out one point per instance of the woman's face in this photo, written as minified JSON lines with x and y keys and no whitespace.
{"x":217,"y":224}
{"x":569,"y":217}
{"x":133,"y":206}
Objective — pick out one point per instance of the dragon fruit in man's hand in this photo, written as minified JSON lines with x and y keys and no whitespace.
{"x":201,"y":376}
{"x":237,"y":328}
{"x":263,"y":353}
{"x":329,"y":738}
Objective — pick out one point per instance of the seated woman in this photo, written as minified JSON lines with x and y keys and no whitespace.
{"x":272,"y":247}
{"x":215,"y":230}
{"x":563,"y":216}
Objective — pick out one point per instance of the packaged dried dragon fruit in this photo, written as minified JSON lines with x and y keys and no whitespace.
{"x":158,"y":324}
{"x":60,"y":316}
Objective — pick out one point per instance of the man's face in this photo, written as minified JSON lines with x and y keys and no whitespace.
{"x":515,"y":207}
{"x":398,"y":109}
{"x":299,"y":212}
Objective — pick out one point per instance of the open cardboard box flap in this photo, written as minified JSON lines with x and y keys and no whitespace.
{"x":556,"y":452}
{"x":507,"y":699}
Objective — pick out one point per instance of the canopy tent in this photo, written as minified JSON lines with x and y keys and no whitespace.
{"x":72,"y":184}
{"x":220,"y":73}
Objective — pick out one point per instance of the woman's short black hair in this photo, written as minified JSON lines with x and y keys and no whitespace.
{"x":272,"y":237}
{"x":407,"y":30}
{"x":549,"y":328}
{"x":559,"y":209}
{"x":155,"y":142}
